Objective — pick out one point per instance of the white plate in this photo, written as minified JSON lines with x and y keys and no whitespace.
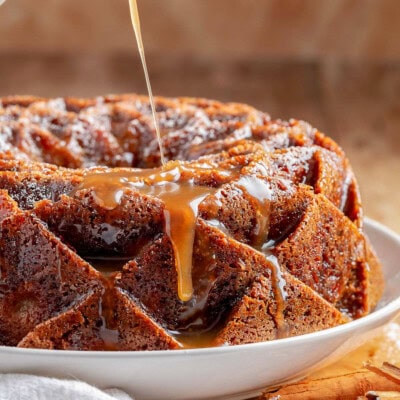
{"x":236,"y":372}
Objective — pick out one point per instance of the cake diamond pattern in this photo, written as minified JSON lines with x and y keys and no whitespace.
{"x":279,"y":248}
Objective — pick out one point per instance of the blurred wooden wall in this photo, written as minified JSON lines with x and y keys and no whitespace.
{"x":335,"y":63}
{"x":285,"y":29}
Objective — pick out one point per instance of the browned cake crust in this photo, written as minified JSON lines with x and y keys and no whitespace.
{"x":295,"y":262}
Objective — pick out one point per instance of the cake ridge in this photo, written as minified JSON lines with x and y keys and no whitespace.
{"x":288,"y":193}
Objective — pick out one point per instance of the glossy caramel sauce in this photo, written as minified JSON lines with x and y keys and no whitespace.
{"x":108,"y":266}
{"x":108,"y":332}
{"x":278,"y":286}
{"x":261,"y":193}
{"x":174,"y":185}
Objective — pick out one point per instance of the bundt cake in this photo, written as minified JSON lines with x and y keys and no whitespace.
{"x":252,"y":231}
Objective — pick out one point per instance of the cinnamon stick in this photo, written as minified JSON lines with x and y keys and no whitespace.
{"x":368,"y":381}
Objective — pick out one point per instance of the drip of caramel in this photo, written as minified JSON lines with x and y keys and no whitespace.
{"x":280,"y":296}
{"x":174,"y":185}
{"x":258,"y":190}
{"x":108,"y":266}
{"x":138,"y":33}
{"x":109,"y":334}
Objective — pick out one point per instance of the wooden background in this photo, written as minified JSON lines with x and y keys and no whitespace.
{"x":334,"y":63}
{"x":294,"y":29}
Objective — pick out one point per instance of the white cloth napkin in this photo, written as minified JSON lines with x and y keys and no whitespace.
{"x":29,"y":387}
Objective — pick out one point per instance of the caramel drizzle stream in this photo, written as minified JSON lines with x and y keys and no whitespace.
{"x":138,"y":33}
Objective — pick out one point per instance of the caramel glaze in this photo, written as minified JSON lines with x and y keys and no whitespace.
{"x":176,"y":185}
{"x":280,"y":294}
{"x":108,"y":330}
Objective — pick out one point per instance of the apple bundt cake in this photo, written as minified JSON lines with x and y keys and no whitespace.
{"x":252,"y":231}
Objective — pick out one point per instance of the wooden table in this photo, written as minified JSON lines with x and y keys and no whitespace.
{"x":356,"y":374}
